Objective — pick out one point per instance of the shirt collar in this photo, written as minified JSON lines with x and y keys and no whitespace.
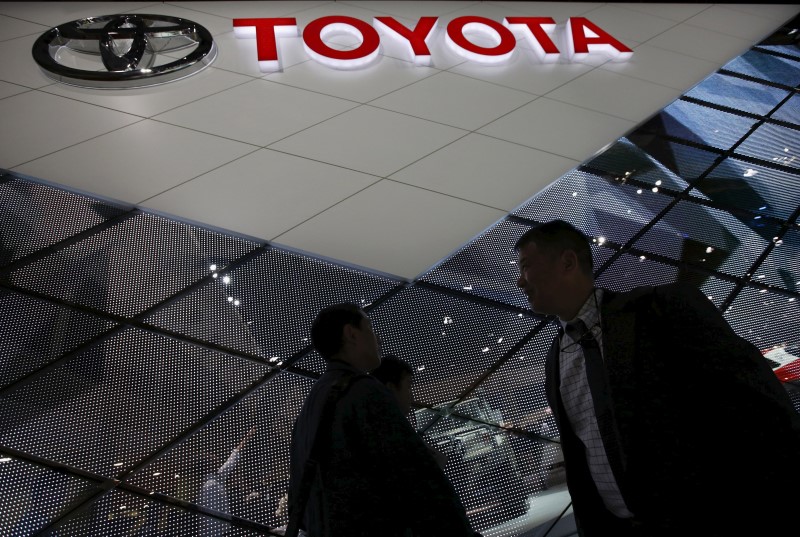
{"x":589,"y":312}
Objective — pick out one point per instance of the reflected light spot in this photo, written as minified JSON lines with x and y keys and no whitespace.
{"x":421,"y":367}
{"x":230,"y":299}
{"x":215,"y":275}
{"x":791,"y":299}
{"x":236,"y":302}
{"x":763,"y":291}
{"x":601,"y":240}
{"x":658,"y":183}
{"x":117,"y":464}
{"x":448,"y":320}
{"x":639,"y":191}
{"x":709,"y":249}
{"x":156,"y":474}
{"x":500,"y":340}
{"x":467,"y":288}
{"x":226,"y":279}
{"x":750,"y":172}
{"x":212,"y":268}
{"x":5,"y":459}
{"x":655,"y":189}
{"x":485,"y":349}
{"x":574,"y":194}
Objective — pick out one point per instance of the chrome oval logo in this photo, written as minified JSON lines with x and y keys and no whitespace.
{"x":124,"y":51}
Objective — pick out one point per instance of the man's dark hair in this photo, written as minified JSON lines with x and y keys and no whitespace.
{"x":328,"y":327}
{"x":392,"y":369}
{"x":556,"y":236}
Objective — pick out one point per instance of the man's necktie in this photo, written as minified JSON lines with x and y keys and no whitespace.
{"x":598,"y":385}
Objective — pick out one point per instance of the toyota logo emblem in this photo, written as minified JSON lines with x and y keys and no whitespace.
{"x":124,"y":51}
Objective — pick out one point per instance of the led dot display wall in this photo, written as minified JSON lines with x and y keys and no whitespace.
{"x":144,"y":357}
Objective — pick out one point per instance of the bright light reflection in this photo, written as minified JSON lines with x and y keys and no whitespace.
{"x":750,"y":172}
{"x":467,"y":288}
{"x":639,"y":191}
{"x":230,"y":299}
{"x":226,"y":279}
{"x":212,"y":268}
{"x":448,"y":320}
{"x":485,"y":349}
{"x":709,"y":250}
{"x":601,"y":240}
{"x":118,"y":464}
{"x":5,"y":459}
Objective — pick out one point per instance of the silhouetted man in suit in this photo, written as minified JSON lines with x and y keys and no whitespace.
{"x":671,"y":424}
{"x":375,"y":475}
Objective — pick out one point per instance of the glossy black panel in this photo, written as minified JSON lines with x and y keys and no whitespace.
{"x":246,"y":449}
{"x":766,"y":319}
{"x":775,"y":144}
{"x":114,"y":404}
{"x":121,"y":513}
{"x":613,"y":210}
{"x":450,"y":341}
{"x":764,"y":190}
{"x":35,"y":496}
{"x":131,"y":266}
{"x":767,"y":67}
{"x":626,"y":163}
{"x":708,"y":238}
{"x":699,"y":124}
{"x":265,"y":307}
{"x":629,"y":271}
{"x":781,"y":268}
{"x":35,"y":332}
{"x":36,"y":216}
{"x":789,"y":111}
{"x":739,"y":94}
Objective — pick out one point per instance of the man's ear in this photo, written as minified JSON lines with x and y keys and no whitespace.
{"x":569,"y":261}
{"x":348,"y":333}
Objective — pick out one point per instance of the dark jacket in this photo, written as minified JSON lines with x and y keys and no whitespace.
{"x":709,"y":436}
{"x":380,"y":478}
